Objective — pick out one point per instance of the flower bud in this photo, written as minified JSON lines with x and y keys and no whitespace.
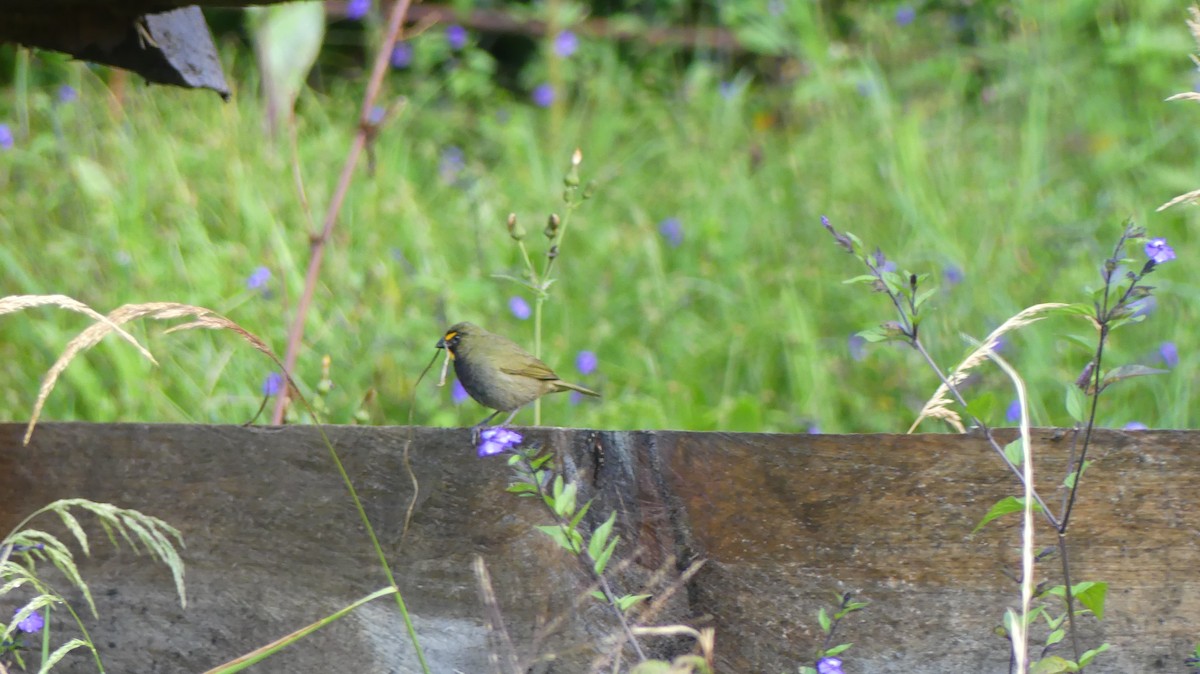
{"x":515,"y":230}
{"x":552,"y":226}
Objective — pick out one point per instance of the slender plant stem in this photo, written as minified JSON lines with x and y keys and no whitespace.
{"x":585,"y":560}
{"x":317,"y":246}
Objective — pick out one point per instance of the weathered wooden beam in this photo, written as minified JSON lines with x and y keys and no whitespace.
{"x":167,"y":43}
{"x":273,"y":543}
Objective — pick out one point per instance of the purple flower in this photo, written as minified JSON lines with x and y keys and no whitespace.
{"x":67,"y":94}
{"x":905,"y":15}
{"x":452,"y":164}
{"x":1013,"y":414}
{"x":458,"y":394}
{"x":814,"y":429}
{"x":586,"y":362}
{"x":952,"y":274}
{"x":575,"y":398}
{"x":33,"y":623}
{"x":497,"y":439}
{"x":357,"y":9}
{"x":402,"y":55}
{"x":543,"y":95}
{"x":1169,"y":354}
{"x":672,"y":231}
{"x":272,"y":385}
{"x":6,"y":137}
{"x":566,"y":43}
{"x":1158,"y":250}
{"x":727,"y":90}
{"x":378,"y":112}
{"x":259,"y":278}
{"x":858,"y":347}
{"x":1136,"y":426}
{"x":456,"y":37}
{"x":829,"y":666}
{"x":519,"y":307}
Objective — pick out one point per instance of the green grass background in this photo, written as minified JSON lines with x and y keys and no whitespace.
{"x":1015,"y":157}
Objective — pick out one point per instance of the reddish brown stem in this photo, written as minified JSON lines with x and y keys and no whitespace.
{"x":317,"y":245}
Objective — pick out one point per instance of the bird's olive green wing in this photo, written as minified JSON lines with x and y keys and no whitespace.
{"x":530,"y":367}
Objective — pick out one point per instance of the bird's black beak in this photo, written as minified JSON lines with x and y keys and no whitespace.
{"x":441,"y":343}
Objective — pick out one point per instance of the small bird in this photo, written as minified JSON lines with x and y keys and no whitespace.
{"x":499,"y":374}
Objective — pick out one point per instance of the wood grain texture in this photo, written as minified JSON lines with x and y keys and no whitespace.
{"x":782,"y":521}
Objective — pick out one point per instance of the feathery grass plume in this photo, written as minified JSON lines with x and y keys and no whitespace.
{"x":134,"y":527}
{"x":1193,"y":24}
{"x":938,"y":406}
{"x":21,"y":302}
{"x":205,"y":318}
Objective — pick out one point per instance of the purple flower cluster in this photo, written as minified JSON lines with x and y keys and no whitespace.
{"x":259,"y":278}
{"x":671,"y":230}
{"x":402,"y":55}
{"x":519,"y":307}
{"x":273,"y":384}
{"x":497,"y":440}
{"x":543,"y":95}
{"x":1158,"y":250}
{"x":566,"y":44}
{"x":357,"y":9}
{"x":32,"y":624}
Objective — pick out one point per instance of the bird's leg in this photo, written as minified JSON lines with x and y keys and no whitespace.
{"x":479,"y":426}
{"x":510,"y":417}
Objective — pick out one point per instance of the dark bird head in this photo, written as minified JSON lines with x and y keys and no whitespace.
{"x":455,"y":334}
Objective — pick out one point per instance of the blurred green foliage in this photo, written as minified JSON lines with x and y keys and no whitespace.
{"x":1005,"y":140}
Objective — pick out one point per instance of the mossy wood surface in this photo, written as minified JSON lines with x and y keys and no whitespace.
{"x":273,"y":543}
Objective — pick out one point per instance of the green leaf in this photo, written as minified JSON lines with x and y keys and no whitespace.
{"x":598,"y":595}
{"x":287,"y":38}
{"x":630,"y":600}
{"x":1052,"y":665}
{"x":823,"y":620}
{"x":838,"y":649}
{"x":923,"y":296}
{"x":602,"y":561}
{"x":1055,"y":637}
{"x":1076,"y":403}
{"x":1128,"y":372}
{"x":983,"y":407}
{"x":571,"y":542}
{"x":1004,"y":506}
{"x":1087,"y":657}
{"x":876,"y":334}
{"x":863,"y":278}
{"x":600,"y":536}
{"x":1069,"y":481}
{"x":1090,"y":594}
{"x":579,"y":515}
{"x":1015,"y":452}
